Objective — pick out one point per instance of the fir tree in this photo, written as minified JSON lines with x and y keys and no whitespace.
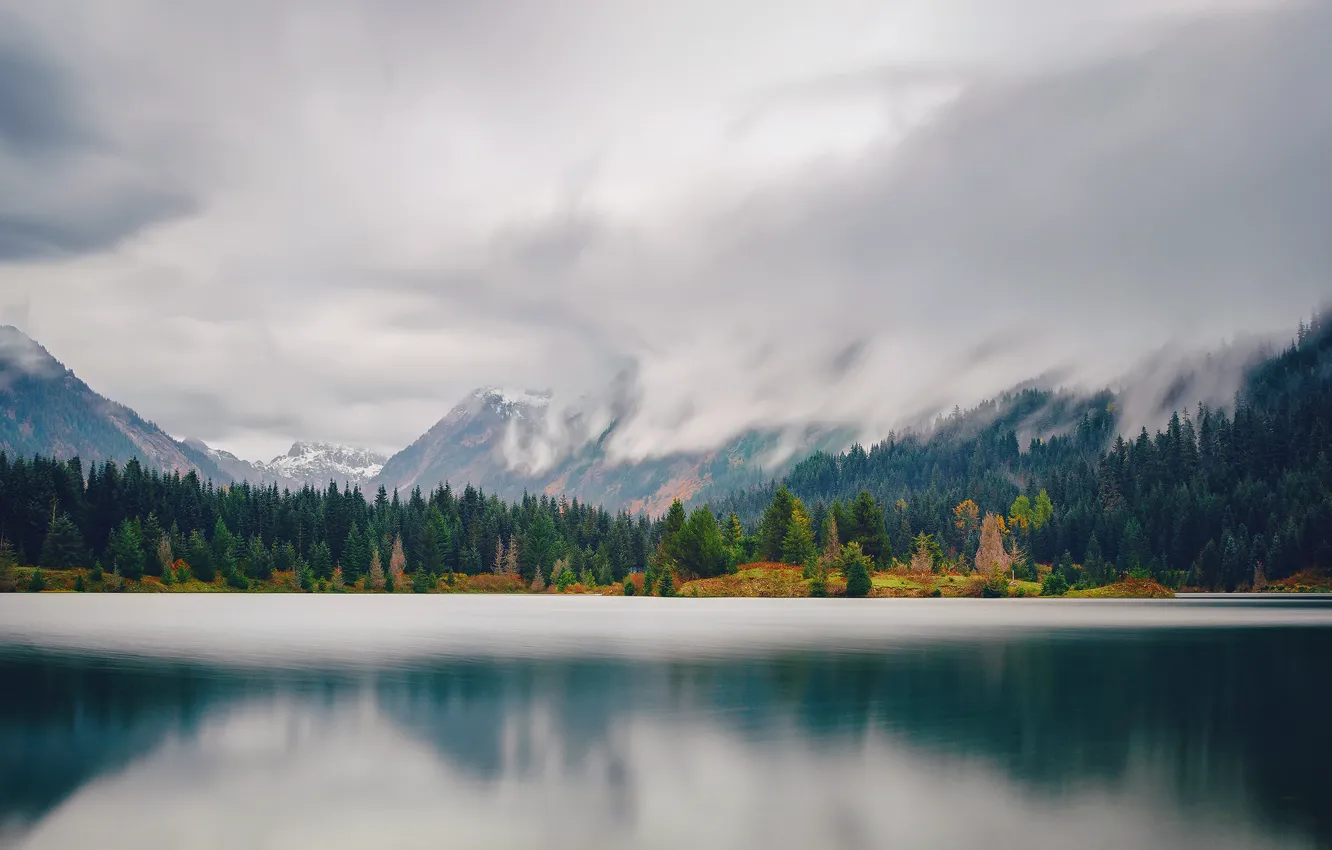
{"x":775,"y":524}
{"x":125,"y":550}
{"x":63,"y":547}
{"x":798,"y":542}
{"x":856,"y":566}
{"x":199,"y":557}
{"x":732,"y":532}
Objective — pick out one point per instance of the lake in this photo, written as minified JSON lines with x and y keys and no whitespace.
{"x":322,"y":721}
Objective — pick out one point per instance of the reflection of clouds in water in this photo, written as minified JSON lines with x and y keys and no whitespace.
{"x":289,"y":774}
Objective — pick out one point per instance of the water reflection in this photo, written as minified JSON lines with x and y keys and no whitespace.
{"x":1197,"y":738}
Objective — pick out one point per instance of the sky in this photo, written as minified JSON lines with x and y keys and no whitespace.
{"x":256,"y":222}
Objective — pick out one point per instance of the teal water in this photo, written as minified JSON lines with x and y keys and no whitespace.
{"x":330,"y":722}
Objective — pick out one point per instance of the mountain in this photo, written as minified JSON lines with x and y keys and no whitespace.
{"x":316,"y":464}
{"x":45,"y":409}
{"x":469,"y":446}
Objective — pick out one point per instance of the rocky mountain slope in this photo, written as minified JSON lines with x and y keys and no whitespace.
{"x":46,"y":409}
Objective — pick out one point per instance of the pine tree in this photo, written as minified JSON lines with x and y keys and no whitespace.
{"x":498,"y":567}
{"x":151,"y":535}
{"x":63,"y":547}
{"x":867,"y":529}
{"x":125,"y":550}
{"x":338,"y":583}
{"x":258,"y":563}
{"x":732,"y":532}
{"x":775,"y":524}
{"x":7,"y":564}
{"x":671,"y":528}
{"x":199,"y":557}
{"x":421,"y":581}
{"x":666,"y":581}
{"x":697,"y":546}
{"x":222,"y":558}
{"x":798,"y":542}
{"x":321,"y":561}
{"x":355,"y":554}
{"x":538,"y":583}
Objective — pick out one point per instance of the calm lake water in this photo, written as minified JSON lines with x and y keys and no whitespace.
{"x":548,"y":722}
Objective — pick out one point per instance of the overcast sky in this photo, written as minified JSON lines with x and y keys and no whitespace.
{"x":261,"y":221}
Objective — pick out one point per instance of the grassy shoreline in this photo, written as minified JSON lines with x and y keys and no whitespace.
{"x":763,"y":580}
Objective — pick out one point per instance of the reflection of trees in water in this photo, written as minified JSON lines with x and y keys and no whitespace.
{"x":1215,"y":714}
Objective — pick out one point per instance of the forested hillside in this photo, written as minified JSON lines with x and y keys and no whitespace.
{"x":1204,"y":502}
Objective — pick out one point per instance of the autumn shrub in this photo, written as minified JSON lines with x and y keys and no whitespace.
{"x":490,"y":583}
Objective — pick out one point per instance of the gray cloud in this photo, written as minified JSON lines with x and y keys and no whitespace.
{"x":846,"y":216}
{"x":63,"y":188}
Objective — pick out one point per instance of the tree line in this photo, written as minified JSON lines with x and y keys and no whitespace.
{"x":134,"y":521}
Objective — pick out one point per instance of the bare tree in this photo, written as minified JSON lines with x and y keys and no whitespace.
{"x":992,"y":557}
{"x":164,"y":558}
{"x":511,"y":557}
{"x":397,"y":562}
{"x":376,"y":577}
{"x":498,"y":567}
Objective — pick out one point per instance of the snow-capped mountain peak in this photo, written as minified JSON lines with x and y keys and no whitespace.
{"x":317,"y":463}
{"x":510,"y":400}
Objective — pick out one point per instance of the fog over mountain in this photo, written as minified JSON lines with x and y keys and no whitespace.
{"x":694,"y":218}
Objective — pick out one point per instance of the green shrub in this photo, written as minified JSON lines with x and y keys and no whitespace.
{"x":818,"y":585}
{"x":628,"y":585}
{"x":421,"y":581}
{"x":995,"y":587}
{"x":1054,"y":584}
{"x":37,"y":583}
